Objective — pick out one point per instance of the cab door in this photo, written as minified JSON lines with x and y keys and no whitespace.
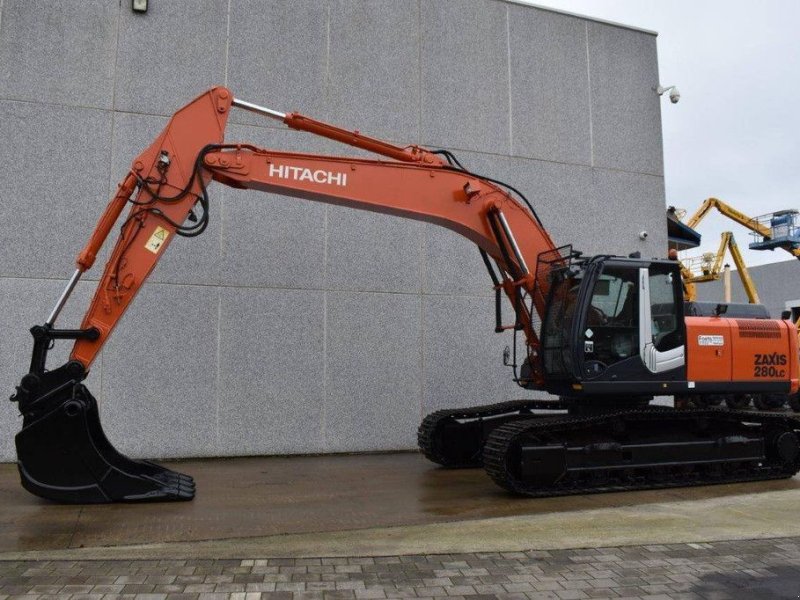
{"x":661,"y":330}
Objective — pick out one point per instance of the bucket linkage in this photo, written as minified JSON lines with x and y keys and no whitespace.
{"x":63,"y":453}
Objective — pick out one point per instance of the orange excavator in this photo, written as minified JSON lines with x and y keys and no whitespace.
{"x":604,"y":334}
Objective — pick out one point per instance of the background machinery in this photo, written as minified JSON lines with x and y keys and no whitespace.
{"x":781,"y":230}
{"x":708,"y":267}
{"x":770,"y":231}
{"x":603,"y":333}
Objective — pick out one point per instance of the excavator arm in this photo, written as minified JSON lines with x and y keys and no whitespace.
{"x":167,"y":190}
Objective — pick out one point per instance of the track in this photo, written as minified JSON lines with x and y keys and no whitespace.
{"x":632,"y":449}
{"x":502,"y":452}
{"x":454,"y":438}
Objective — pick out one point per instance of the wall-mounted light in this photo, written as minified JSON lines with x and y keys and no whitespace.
{"x":139,"y":6}
{"x":674,"y":94}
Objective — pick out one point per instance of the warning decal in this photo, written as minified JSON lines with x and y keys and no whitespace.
{"x":157,"y":240}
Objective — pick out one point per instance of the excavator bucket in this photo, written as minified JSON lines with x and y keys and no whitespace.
{"x":63,"y":453}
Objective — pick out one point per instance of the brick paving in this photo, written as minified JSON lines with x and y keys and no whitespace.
{"x":710,"y":571}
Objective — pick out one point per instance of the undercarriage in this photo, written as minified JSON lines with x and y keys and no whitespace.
{"x":528,"y":450}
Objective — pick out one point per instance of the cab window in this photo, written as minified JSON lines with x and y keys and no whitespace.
{"x":611,"y":333}
{"x":664,"y":308}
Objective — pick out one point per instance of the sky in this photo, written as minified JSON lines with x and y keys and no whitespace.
{"x":735,"y":134}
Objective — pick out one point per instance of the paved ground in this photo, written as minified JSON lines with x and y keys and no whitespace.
{"x":714,"y":571}
{"x":430,"y":533}
{"x":378,"y":505}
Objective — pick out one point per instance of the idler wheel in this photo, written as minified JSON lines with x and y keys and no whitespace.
{"x":787,"y":447}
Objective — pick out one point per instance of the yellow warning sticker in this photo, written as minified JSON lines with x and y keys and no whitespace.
{"x":157,"y":240}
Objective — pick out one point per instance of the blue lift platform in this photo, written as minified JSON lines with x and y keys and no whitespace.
{"x":776,"y":230}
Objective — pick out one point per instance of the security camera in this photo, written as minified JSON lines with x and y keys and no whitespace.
{"x":674,"y":94}
{"x":643,"y":235}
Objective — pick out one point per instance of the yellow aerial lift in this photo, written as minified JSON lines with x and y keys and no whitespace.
{"x":774,"y":230}
{"x":780,"y":229}
{"x":707,"y":267}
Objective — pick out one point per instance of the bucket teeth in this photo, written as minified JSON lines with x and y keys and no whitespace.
{"x":63,"y":454}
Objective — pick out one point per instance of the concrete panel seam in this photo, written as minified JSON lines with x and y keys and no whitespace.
{"x":422,"y":263}
{"x":111,"y":174}
{"x":325,"y":242}
{"x":282,"y":128}
{"x":642,"y":173}
{"x":64,"y":279}
{"x":103,"y":252}
{"x":217,"y":440}
{"x":268,"y":124}
{"x":327,"y":87}
{"x":221,"y":286}
{"x":551,"y":161}
{"x":508,"y":71}
{"x":421,"y":357}
{"x":324,"y":416}
{"x":116,"y":60}
{"x":99,"y":395}
{"x":419,"y":72}
{"x":227,"y":42}
{"x":217,"y":429}
{"x":589,"y":91}
{"x":4,"y":98}
{"x":38,"y":103}
{"x":545,"y":160}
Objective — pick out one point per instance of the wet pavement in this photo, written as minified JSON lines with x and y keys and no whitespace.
{"x":396,"y":526}
{"x":745,"y":569}
{"x":284,"y":496}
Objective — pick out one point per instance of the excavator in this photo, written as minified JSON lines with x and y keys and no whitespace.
{"x":603,"y":334}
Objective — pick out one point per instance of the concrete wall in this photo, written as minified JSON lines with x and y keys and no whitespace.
{"x":776,"y":284}
{"x":289,"y":326}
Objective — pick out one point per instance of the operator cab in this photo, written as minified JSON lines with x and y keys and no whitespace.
{"x":614,"y":325}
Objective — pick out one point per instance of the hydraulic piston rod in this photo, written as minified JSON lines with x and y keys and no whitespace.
{"x":62,"y":300}
{"x":261,"y":110}
{"x":513,"y":242}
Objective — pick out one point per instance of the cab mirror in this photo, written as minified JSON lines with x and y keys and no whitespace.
{"x":786,"y":315}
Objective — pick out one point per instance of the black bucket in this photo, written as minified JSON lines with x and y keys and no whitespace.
{"x":64,"y":455}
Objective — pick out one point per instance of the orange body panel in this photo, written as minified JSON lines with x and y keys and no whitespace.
{"x":742,"y":350}
{"x":708,"y":349}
